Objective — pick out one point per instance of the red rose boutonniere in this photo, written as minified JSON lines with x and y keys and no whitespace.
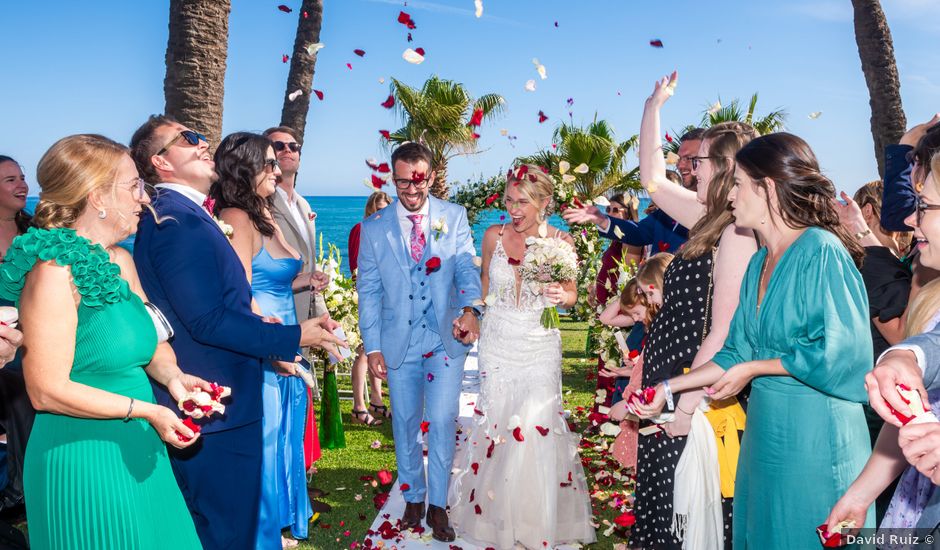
{"x":432,"y":265}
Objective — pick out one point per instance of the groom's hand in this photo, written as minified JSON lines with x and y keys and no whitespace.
{"x":377,"y":365}
{"x":466,"y":328}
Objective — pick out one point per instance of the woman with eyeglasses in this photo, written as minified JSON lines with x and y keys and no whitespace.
{"x":98,"y":473}
{"x":800,"y":338}
{"x":243,"y":195}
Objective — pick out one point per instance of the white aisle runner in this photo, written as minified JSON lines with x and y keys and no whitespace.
{"x":395,"y":505}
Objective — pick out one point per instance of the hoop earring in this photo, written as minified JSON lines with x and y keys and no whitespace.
{"x":102,"y":214}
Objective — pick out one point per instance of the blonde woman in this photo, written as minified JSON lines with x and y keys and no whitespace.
{"x":530,"y":490}
{"x":98,"y":472}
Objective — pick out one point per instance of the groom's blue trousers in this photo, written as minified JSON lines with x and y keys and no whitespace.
{"x":425,"y":389}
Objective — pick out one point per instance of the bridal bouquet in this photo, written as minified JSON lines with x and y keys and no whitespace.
{"x":548,"y":260}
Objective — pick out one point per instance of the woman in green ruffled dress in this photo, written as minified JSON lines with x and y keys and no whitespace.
{"x":97,"y":473}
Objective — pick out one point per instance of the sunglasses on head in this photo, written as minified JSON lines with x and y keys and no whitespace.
{"x":281,"y":145}
{"x":192,"y":138}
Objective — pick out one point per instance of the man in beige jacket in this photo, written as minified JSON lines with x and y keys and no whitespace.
{"x":297,"y":221}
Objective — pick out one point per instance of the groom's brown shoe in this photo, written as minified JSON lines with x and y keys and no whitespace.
{"x":439,"y":524}
{"x":412,"y":516}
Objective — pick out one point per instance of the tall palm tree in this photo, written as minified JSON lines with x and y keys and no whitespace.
{"x":876,"y":50}
{"x":196,"y":53}
{"x":438,"y":115}
{"x":302,"y":65}
{"x":596,"y":147}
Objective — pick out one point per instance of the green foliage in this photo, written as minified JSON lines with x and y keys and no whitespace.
{"x":473,"y":195}
{"x":774,"y":121}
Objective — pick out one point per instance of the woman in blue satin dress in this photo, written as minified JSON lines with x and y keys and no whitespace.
{"x":247,"y":170}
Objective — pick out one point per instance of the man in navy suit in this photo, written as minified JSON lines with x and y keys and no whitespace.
{"x":191,"y":273}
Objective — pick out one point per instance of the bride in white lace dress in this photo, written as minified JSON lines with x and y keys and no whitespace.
{"x":517,"y":476}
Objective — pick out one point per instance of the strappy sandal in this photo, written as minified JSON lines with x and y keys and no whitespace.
{"x":357,"y":418}
{"x":380,"y":410}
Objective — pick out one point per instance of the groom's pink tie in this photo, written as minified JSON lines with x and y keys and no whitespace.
{"x":417,"y":237}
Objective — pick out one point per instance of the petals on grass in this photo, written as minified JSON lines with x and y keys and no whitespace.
{"x":384,"y":476}
{"x":389,"y":102}
{"x":412,"y":56}
{"x":376,"y":444}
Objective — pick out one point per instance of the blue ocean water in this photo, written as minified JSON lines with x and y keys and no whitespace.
{"x":336,"y":216}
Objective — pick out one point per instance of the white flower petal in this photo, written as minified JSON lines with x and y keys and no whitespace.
{"x":568,"y":178}
{"x":814,"y":115}
{"x":312,"y":49}
{"x":295,"y":94}
{"x":540,"y":68}
{"x":530,"y":85}
{"x":581,"y":168}
{"x":672,"y":158}
{"x":563,"y":167}
{"x":412,"y":56}
{"x":601,"y":201}
{"x":478,"y":6}
{"x":714,"y":108}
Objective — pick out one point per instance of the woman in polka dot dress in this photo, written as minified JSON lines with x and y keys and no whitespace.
{"x":700,"y":295}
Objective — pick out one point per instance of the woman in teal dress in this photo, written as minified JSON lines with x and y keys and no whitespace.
{"x":800,"y":337}
{"x":247,"y":169}
{"x":97,"y":474}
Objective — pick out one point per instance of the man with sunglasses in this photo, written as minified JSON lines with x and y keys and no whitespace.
{"x":904,"y":172}
{"x":297,"y":221}
{"x":418,"y":287}
{"x":190,"y":271}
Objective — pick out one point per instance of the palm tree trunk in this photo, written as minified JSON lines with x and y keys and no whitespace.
{"x":440,"y":188}
{"x":196,"y":53}
{"x":876,"y":50}
{"x":302,"y":64}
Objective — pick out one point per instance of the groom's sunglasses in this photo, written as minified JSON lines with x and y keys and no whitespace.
{"x":192,"y":138}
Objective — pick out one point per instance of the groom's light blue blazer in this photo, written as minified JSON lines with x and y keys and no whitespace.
{"x":384,"y":279}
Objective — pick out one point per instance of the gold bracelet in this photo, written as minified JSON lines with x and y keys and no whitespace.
{"x":862,"y":234}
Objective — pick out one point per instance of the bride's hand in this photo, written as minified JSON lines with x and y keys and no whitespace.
{"x":554,"y":293}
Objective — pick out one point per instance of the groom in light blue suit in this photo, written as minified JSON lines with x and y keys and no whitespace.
{"x":418,"y":285}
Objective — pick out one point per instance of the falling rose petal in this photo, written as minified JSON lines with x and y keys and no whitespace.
{"x":517,"y":434}
{"x":568,"y":178}
{"x":716,"y":106}
{"x":478,"y":8}
{"x":377,"y":182}
{"x":383,"y":168}
{"x":477,"y":118}
{"x":656,"y":43}
{"x":284,"y":58}
{"x":360,"y":53}
{"x":541,"y":430}
{"x":381,"y":81}
{"x":543,"y":74}
{"x":672,"y":158}
{"x":602,"y":201}
{"x":542,"y":117}
{"x":430,"y":377}
{"x":668,"y":137}
{"x":406,"y":20}
{"x":295,"y":94}
{"x":372,"y":163}
{"x":312,"y":49}
{"x":386,"y":134}
{"x":412,"y":56}
{"x":425,"y":426}
{"x":530,"y":85}
{"x":389,"y":102}
{"x":570,"y":102}
{"x":349,"y":66}
{"x":504,"y":132}
{"x":428,"y":355}
{"x":556,"y":24}
{"x":563,"y":166}
{"x":581,"y":169}
{"x":409,"y":37}
{"x":319,"y":94}
{"x":475,"y":135}
{"x":492,"y":198}
{"x":419,"y":51}
{"x":814,"y":115}
{"x":284,"y":8}
{"x":618,"y":232}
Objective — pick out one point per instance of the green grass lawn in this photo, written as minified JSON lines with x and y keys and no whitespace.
{"x":339,"y":472}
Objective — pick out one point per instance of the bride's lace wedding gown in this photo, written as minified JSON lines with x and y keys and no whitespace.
{"x":517,"y":473}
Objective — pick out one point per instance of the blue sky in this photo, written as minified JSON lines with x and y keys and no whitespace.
{"x":73,"y":67}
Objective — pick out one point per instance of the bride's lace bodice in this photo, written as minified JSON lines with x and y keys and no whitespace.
{"x":506,"y":286}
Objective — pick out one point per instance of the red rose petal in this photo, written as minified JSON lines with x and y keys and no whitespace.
{"x":389,"y":102}
{"x":489,"y":450}
{"x":517,"y":433}
{"x":475,"y":135}
{"x":477,"y":510}
{"x":428,"y":354}
{"x":404,"y":487}
{"x":663,"y":246}
{"x":425,"y":426}
{"x":305,"y":15}
{"x":514,"y":261}
{"x":475,"y":466}
{"x":409,"y":37}
{"x":472,"y":495}
{"x":668,"y":137}
{"x":319,"y":94}
{"x":419,"y":51}
{"x":386,"y":134}
{"x":284,"y":58}
{"x":417,"y":177}
{"x":384,"y":477}
{"x":430,"y":377}
{"x":492,"y":198}
{"x":541,"y":430}
{"x":477,"y":118}
{"x":383,"y":168}
{"x":349,"y":66}
{"x":377,"y":182}
{"x":284,"y":8}
{"x":542,"y":117}
{"x":656,"y":43}
{"x":360,"y":53}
